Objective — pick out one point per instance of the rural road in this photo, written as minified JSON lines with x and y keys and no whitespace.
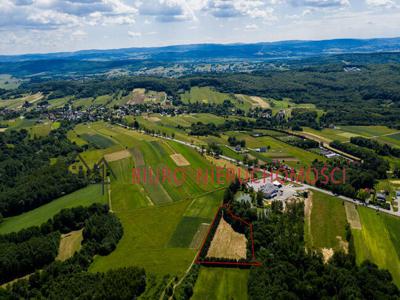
{"x":390,"y":212}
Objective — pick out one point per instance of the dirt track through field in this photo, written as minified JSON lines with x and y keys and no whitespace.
{"x":307,"y":214}
{"x":227,"y":243}
{"x":352,"y":216}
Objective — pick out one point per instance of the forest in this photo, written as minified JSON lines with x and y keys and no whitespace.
{"x":68,"y":279}
{"x":27,"y":179}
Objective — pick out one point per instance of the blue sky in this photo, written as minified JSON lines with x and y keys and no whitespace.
{"x":39,"y":26}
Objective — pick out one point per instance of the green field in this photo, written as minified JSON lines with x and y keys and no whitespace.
{"x":84,"y":197}
{"x":209,"y":95}
{"x":344,"y":133}
{"x":185,"y":230}
{"x":379,"y":241}
{"x":293,"y":156}
{"x":220,"y":283}
{"x":327,"y":222}
{"x":98,"y":141}
{"x":159,"y":220}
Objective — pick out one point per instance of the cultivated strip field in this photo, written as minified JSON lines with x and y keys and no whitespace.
{"x":199,"y":236}
{"x":227,"y":243}
{"x":117,"y":155}
{"x":180,"y":160}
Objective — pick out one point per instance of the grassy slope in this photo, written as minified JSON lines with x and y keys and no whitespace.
{"x":379,"y":241}
{"x":328,"y":220}
{"x":85,"y":197}
{"x":148,"y":227}
{"x":147,"y":232}
{"x":219,"y":283}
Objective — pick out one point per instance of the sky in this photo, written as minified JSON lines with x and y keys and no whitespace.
{"x":42,"y":26}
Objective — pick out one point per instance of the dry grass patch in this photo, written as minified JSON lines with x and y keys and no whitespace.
{"x":200,"y":235}
{"x":227,"y":243}
{"x":137,"y":97}
{"x":3,"y":129}
{"x":180,"y":160}
{"x":117,"y":155}
{"x":260,"y":102}
{"x":69,"y":244}
{"x":352,"y":216}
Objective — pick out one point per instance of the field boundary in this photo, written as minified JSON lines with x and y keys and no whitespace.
{"x":228,"y":263}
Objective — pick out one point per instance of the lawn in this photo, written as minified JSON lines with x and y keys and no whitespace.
{"x":327,"y":222}
{"x":220,"y":283}
{"x":379,"y":241}
{"x":85,"y":197}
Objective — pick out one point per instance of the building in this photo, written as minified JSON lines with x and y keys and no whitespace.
{"x":277,"y":184}
{"x":269,"y":190}
{"x":381,"y":197}
{"x":397,"y":194}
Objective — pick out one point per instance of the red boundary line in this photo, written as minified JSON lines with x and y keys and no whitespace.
{"x":255,"y":263}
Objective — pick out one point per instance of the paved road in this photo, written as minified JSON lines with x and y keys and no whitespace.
{"x":390,"y":212}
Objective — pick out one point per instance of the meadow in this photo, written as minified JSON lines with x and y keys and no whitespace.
{"x":220,"y":283}
{"x":159,"y":220}
{"x":344,"y":133}
{"x":379,"y":241}
{"x":327,"y":222}
{"x":85,"y":197}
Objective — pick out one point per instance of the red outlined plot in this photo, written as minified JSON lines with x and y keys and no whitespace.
{"x":249,"y":263}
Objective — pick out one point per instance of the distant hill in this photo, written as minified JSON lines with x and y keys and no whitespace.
{"x":181,"y":60}
{"x":260,"y":51}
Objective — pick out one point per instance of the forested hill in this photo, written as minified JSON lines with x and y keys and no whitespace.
{"x":181,"y":60}
{"x":280,"y":49}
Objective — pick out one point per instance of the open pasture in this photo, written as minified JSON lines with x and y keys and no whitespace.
{"x":97,"y":140}
{"x":145,"y":243}
{"x":379,"y":241}
{"x":85,"y":197}
{"x":160,"y":221}
{"x":327,"y":222}
{"x":221,"y":283}
{"x":185,"y":231}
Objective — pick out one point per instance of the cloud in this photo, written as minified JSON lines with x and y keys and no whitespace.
{"x":53,"y":14}
{"x":239,"y":8}
{"x":168,"y":10}
{"x":133,"y":34}
{"x":320,"y":3}
{"x":251,"y":27}
{"x":381,"y":3}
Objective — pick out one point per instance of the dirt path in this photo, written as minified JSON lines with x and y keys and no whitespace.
{"x":307,"y":213}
